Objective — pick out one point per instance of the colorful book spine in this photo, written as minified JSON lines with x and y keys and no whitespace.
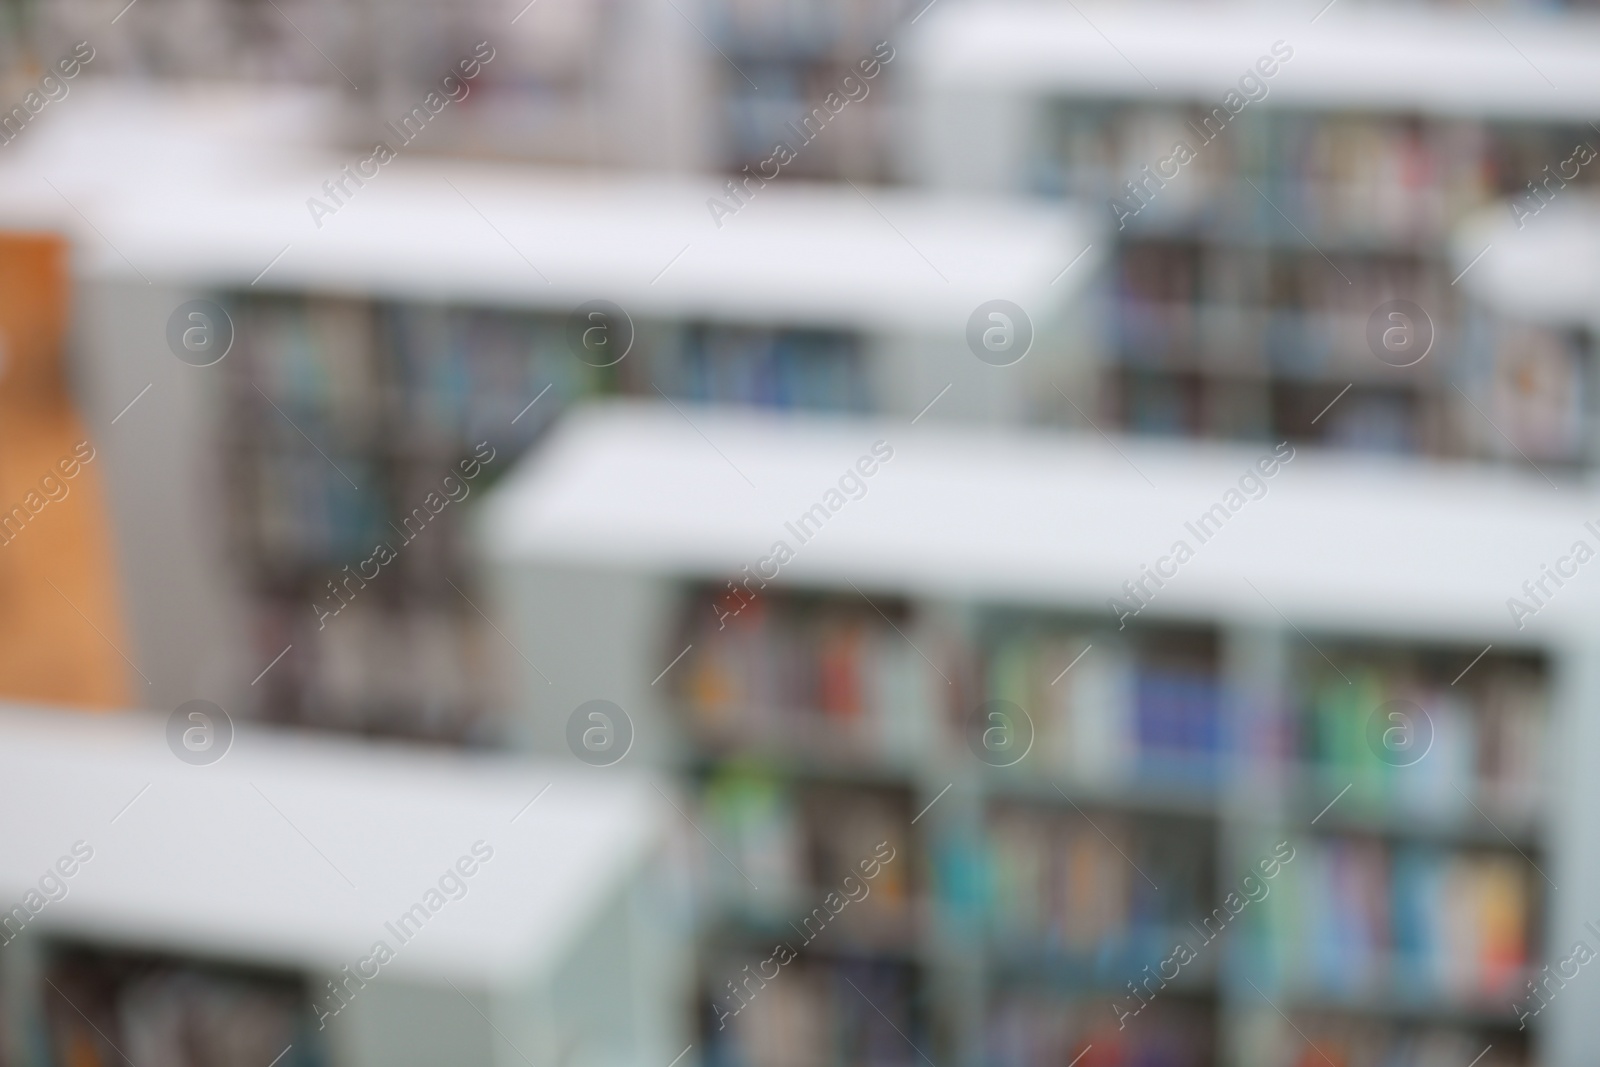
{"x":814,"y":1013}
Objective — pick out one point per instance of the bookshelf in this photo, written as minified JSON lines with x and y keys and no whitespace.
{"x":195,"y":899}
{"x":1171,"y":766}
{"x":1244,"y":313}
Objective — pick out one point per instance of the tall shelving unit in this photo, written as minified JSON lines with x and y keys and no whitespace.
{"x":1204,"y":737}
{"x":196,"y":925}
{"x":1330,"y":161}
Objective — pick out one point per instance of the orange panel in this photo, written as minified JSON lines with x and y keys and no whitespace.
{"x":60,"y":612}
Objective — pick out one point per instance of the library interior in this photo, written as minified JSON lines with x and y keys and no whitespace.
{"x":975,"y":533}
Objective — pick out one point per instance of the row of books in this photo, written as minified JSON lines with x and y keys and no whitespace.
{"x":1349,"y":1042}
{"x":1110,"y":717}
{"x":1038,"y":1029}
{"x":829,"y":679}
{"x":1236,"y":339}
{"x":385,"y":376}
{"x":772,"y":368}
{"x":1189,"y":271}
{"x":799,"y":53}
{"x":1384,"y":418}
{"x":799,"y":844}
{"x":1431,"y":747}
{"x":815,"y":1013}
{"x":800,"y":29}
{"x":1375,"y":181}
{"x":466,"y":373}
{"x":1096,"y":887}
{"x":417,"y":670}
{"x":210,"y":41}
{"x":301,"y":516}
{"x":856,"y":144}
{"x":318,"y":358}
{"x":374,"y":375}
{"x":1532,"y":392}
{"x":1229,"y":317}
{"x":1339,"y":919}
{"x":292,"y":509}
{"x":1361,"y":921}
{"x":816,"y":677}
{"x":116,"y":1009}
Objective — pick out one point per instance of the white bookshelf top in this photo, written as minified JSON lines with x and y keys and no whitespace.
{"x":1339,"y":543}
{"x":1546,"y":270}
{"x":1453,"y":61}
{"x":296,"y":849}
{"x":193,"y":201}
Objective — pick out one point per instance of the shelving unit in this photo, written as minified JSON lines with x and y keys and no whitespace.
{"x":376,"y":352}
{"x":264,"y":879}
{"x":1209,"y":736}
{"x":1243,"y":313}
